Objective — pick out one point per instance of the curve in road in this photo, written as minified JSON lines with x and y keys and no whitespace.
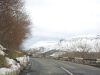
{"x":41,"y":66}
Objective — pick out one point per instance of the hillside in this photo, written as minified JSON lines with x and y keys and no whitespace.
{"x":70,"y":44}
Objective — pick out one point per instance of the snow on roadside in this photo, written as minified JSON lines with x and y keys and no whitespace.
{"x":2,"y":53}
{"x":23,"y":60}
{"x":14,"y":66}
{"x":1,"y":50}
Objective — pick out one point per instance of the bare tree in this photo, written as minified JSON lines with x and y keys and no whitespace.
{"x":13,"y":23}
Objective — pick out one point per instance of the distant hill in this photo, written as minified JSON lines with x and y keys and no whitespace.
{"x":48,"y":53}
{"x":77,"y":43}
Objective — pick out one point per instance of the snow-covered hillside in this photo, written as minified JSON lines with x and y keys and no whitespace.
{"x":78,"y":43}
{"x":44,"y":46}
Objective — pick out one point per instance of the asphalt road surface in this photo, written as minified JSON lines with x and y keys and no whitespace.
{"x":41,"y":66}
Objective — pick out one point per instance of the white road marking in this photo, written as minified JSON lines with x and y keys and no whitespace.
{"x":67,"y":71}
{"x":28,"y":74}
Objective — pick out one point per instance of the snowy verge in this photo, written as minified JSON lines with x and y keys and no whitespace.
{"x":14,"y":66}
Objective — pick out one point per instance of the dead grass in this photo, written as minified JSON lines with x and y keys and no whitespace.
{"x":11,"y":54}
{"x":2,"y":61}
{"x":14,"y":54}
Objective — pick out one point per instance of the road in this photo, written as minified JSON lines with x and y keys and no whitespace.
{"x":41,"y":66}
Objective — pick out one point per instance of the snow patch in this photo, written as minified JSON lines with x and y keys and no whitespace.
{"x":14,"y":67}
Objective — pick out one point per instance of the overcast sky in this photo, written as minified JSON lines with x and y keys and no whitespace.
{"x":55,"y":19}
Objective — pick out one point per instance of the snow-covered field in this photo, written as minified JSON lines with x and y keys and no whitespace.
{"x":14,"y":67}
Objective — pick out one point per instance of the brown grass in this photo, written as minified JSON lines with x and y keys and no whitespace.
{"x":14,"y":54}
{"x":2,"y":61}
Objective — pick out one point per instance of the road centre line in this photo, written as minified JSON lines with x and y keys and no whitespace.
{"x":66,"y":70}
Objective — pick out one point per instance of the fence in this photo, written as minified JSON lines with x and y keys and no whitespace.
{"x":94,"y":62}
